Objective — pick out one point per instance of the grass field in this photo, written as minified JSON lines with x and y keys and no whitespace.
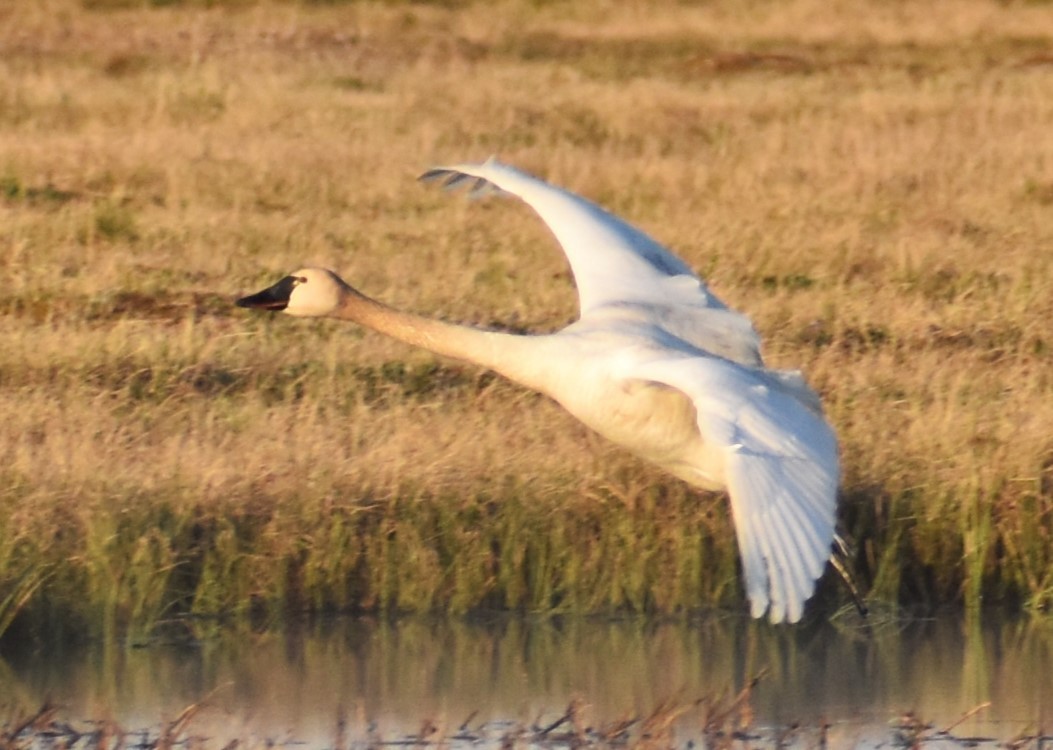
{"x":871,"y":182}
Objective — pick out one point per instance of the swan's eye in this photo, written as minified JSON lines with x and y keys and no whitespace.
{"x":297,"y":280}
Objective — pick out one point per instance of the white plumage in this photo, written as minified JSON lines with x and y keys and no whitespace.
{"x":655,"y":363}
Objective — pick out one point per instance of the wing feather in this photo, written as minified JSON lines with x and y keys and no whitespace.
{"x":612,"y":261}
{"x":781,"y":468}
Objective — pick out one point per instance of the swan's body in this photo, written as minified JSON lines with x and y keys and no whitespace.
{"x":655,"y":363}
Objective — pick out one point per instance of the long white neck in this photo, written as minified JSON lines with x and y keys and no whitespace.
{"x":514,"y":356}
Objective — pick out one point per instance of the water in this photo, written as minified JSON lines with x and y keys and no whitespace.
{"x":393,"y":676}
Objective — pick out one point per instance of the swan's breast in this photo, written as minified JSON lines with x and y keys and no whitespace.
{"x":584,"y":368}
{"x":656,"y":422}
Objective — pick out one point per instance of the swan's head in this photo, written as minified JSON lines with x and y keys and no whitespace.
{"x":308,"y":293}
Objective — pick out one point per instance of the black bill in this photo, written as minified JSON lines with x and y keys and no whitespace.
{"x":272,"y":298}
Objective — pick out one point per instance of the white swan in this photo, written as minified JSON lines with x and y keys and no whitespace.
{"x":655,"y":363}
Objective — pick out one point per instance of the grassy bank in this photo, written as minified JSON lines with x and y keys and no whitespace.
{"x":873,"y":185}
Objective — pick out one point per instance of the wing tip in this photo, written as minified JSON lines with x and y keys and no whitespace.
{"x":758,"y":605}
{"x":453,"y":176}
{"x":470,"y":168}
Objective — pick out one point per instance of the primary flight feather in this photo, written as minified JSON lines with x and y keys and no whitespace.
{"x":655,"y":363}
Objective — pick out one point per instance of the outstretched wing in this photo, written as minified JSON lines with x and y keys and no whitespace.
{"x":781,"y":469}
{"x":612,"y":261}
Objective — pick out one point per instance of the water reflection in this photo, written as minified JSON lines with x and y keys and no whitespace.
{"x":296,"y":685}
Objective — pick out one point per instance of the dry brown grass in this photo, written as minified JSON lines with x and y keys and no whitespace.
{"x":872,"y":183}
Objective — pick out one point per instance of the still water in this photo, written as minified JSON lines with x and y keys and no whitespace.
{"x":295,"y":686}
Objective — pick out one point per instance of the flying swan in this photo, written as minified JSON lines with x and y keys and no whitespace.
{"x":655,"y":363}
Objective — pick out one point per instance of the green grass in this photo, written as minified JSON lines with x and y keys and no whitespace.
{"x":870,"y":184}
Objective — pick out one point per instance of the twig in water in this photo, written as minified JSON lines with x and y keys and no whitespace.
{"x":464,"y":724}
{"x":174,"y":729}
{"x":968,"y":714}
{"x":36,"y":722}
